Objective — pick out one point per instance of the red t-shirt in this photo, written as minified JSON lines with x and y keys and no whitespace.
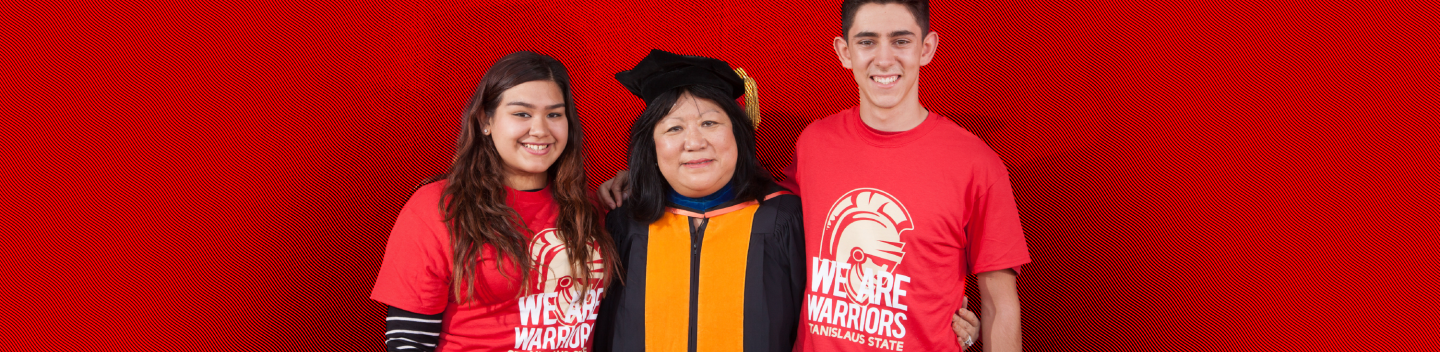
{"x":893,"y":223}
{"x":416,"y":274}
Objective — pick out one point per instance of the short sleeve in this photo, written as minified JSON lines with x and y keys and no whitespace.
{"x":415,"y":274}
{"x":996,"y":240}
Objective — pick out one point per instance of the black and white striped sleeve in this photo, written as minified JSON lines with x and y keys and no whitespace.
{"x":411,"y":332}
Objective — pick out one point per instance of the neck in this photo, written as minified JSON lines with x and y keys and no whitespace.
{"x":903,"y":117}
{"x":705,"y":202}
{"x":522,"y":183}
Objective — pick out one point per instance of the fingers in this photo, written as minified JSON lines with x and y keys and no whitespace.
{"x":972,"y":323}
{"x":962,"y":330}
{"x":607,"y":195}
{"x":966,"y":325}
{"x":612,"y":192}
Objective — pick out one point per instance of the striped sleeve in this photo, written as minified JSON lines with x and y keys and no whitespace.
{"x":411,"y":332}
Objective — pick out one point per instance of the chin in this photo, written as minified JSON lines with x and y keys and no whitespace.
{"x":697,"y":188}
{"x":885,"y":102}
{"x":535,"y":169}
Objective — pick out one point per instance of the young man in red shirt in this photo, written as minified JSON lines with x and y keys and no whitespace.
{"x":900,"y":204}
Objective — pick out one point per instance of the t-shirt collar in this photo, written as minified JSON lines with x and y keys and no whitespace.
{"x":857,"y":127}
{"x":514,"y":196}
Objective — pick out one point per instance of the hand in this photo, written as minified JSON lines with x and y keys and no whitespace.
{"x":966,"y":325}
{"x":613,"y":192}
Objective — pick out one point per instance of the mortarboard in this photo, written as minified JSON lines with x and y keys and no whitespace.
{"x":661,"y":71}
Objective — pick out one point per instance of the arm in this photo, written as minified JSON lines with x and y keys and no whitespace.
{"x":407,"y":331}
{"x":999,"y":310}
{"x":413,"y":275}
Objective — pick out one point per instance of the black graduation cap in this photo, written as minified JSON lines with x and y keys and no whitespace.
{"x":662,"y":70}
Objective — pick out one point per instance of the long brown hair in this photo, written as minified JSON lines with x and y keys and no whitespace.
{"x":473,"y":202}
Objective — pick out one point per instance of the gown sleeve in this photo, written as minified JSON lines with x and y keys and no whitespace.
{"x":787,"y":289}
{"x":618,"y":226}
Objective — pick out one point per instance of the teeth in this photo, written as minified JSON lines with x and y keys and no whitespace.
{"x":535,"y":146}
{"x":887,"y":80}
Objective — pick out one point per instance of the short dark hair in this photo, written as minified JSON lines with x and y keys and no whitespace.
{"x":919,"y":8}
{"x":648,"y":187}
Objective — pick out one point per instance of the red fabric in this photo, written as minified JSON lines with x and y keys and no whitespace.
{"x":415,"y":276}
{"x":892,"y":222}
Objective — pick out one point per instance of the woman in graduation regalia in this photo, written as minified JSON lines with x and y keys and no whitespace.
{"x":711,"y":250}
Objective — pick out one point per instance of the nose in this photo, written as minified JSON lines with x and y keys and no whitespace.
{"x":694,"y":140}
{"x":538,"y":127}
{"x":885,"y":57}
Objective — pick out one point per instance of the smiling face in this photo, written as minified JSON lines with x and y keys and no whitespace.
{"x":529,"y":129}
{"x":885,"y":50}
{"x":695,"y":147}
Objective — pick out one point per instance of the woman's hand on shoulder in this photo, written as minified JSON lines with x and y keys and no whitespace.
{"x":613,"y":192}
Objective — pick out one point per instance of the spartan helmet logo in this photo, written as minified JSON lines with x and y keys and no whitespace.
{"x":862,"y":230}
{"x":553,"y":273}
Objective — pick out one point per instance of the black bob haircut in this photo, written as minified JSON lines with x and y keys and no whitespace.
{"x":649,"y":189}
{"x":918,"y":8}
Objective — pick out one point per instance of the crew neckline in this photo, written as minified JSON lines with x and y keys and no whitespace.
{"x":525,"y":196}
{"x":888,"y":139}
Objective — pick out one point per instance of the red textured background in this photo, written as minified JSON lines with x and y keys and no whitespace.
{"x":1191,"y":174}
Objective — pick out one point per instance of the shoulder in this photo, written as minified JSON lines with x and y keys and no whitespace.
{"x":960,"y":141}
{"x":782,"y":202}
{"x":779,"y":197}
{"x":949,"y":130}
{"x":780,"y":221}
{"x":431,"y":190}
{"x":420,"y":222}
{"x":826,"y":126}
{"x":425,"y":201}
{"x":619,"y":223}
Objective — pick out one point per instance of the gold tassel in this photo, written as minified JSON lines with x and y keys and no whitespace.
{"x":752,"y":103}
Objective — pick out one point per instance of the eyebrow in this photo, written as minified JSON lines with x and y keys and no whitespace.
{"x":527,"y":105}
{"x":672,"y":116}
{"x":898,"y":33}
{"x":901,"y":33}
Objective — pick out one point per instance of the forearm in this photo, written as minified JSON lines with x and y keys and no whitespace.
{"x":1000,"y":326}
{"x":411,"y":332}
{"x":999,"y":311}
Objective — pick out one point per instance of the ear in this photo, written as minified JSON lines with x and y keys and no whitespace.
{"x":842,"y":51}
{"x":484,"y":124}
{"x":928,"y":46}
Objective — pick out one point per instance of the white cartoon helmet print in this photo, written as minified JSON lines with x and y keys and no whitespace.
{"x":862,"y":230}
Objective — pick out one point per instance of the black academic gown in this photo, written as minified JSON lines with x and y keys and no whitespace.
{"x":734,"y":283}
